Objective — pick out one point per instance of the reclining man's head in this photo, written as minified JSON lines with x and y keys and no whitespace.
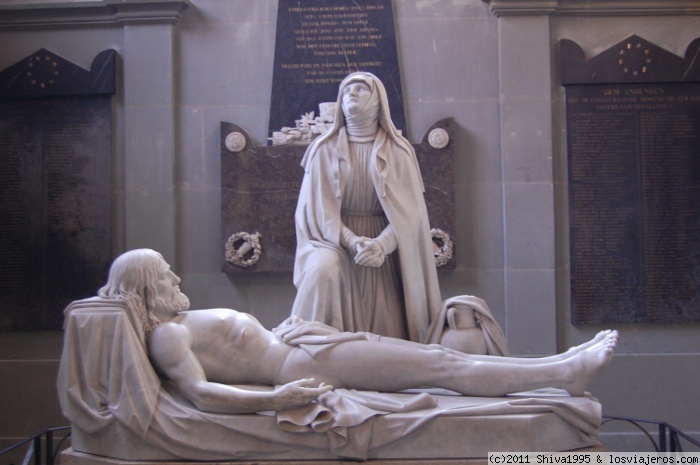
{"x":144,"y":279}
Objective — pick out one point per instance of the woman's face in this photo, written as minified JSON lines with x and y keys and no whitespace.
{"x":355,"y":97}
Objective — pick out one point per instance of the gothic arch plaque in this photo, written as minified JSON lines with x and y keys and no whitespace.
{"x":633,"y":135}
{"x":55,"y":195}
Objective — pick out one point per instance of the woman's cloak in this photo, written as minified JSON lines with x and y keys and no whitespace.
{"x":398,"y":183}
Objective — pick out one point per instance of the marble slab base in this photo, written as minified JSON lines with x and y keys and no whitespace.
{"x":444,"y":437}
{"x":71,"y":457}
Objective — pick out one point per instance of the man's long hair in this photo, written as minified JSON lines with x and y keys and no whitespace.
{"x":132,"y":278}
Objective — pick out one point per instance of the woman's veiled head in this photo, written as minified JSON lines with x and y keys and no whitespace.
{"x":393,"y":136}
{"x":384,"y":114}
{"x":357,"y":94}
{"x":360,"y":101}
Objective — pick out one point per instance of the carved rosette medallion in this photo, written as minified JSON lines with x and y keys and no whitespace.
{"x":243,"y":249}
{"x":443,"y":246}
{"x":438,"y":138}
{"x":235,"y":142}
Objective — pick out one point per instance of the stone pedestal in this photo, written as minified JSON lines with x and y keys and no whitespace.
{"x":453,"y":437}
{"x":71,"y":457}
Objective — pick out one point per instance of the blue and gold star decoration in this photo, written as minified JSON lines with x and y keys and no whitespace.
{"x":46,"y":74}
{"x":42,"y":70}
{"x":634,"y":58}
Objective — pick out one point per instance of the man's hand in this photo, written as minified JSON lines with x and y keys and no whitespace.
{"x":298,"y":393}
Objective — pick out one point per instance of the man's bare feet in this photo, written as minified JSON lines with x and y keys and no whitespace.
{"x":586,"y":363}
{"x":581,"y":347}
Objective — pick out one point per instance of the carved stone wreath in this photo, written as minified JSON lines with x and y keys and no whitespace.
{"x":443,"y":247}
{"x":246,"y":243}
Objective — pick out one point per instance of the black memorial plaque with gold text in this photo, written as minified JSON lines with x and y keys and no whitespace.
{"x":55,"y":186}
{"x":319,"y":42}
{"x":634,"y":186}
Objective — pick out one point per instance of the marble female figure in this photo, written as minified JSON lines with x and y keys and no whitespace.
{"x":364,"y":259}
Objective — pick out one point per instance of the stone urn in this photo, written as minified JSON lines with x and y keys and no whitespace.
{"x":462,"y":332}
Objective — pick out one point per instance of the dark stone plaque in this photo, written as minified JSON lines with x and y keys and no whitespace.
{"x":260,"y":189}
{"x":55,"y":194}
{"x":633,"y":60}
{"x":634,"y":188}
{"x":45,"y":74}
{"x":319,"y":42}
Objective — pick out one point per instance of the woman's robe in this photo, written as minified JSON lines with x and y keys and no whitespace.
{"x":328,"y":288}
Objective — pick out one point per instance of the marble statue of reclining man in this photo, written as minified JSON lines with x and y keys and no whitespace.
{"x":204,"y":352}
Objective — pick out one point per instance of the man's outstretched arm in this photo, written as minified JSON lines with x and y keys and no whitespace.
{"x":170,"y":352}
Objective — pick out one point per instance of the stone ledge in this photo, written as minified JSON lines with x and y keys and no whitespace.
{"x":71,"y":457}
{"x":594,"y":7}
{"x":18,"y":15}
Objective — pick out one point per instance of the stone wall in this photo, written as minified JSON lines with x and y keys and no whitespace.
{"x":185,"y":66}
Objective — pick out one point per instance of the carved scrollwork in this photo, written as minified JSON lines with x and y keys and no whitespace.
{"x":242,"y":245}
{"x":443,"y":246}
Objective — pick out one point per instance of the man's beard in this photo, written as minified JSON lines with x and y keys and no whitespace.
{"x":179,"y":303}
